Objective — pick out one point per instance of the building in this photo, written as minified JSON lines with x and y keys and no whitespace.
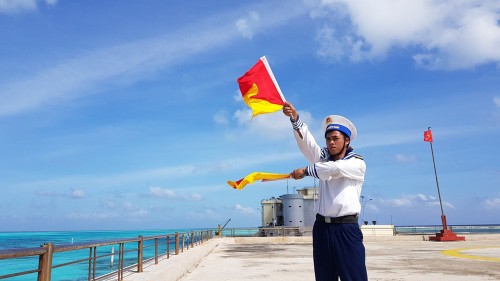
{"x":292,"y":210}
{"x":294,"y":214}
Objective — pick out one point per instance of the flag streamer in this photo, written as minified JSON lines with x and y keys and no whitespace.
{"x":255,"y":176}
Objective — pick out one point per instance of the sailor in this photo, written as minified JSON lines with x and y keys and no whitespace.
{"x":338,"y":249}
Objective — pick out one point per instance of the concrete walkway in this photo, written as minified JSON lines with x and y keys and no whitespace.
{"x":388,"y":258}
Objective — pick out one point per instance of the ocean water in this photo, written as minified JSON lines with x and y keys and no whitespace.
{"x":79,"y":271}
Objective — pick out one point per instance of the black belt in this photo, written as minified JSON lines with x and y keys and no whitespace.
{"x":343,"y":219}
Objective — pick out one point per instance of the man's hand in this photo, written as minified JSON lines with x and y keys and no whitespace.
{"x":290,"y":111}
{"x":299,"y":173}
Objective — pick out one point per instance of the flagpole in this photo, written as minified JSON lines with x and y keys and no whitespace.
{"x":443,"y":217}
{"x":445,"y":234}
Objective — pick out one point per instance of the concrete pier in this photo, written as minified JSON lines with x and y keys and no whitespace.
{"x":290,"y":258}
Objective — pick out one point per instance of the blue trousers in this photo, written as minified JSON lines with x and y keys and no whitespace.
{"x":338,"y":251}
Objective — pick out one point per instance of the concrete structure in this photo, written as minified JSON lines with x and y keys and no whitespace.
{"x":294,"y":210}
{"x":377,"y":230}
{"x":405,"y":258}
{"x":272,"y":212}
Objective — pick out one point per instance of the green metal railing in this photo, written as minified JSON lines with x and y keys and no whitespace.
{"x":131,"y":250}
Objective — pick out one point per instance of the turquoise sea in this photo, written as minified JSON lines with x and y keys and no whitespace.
{"x":16,"y":240}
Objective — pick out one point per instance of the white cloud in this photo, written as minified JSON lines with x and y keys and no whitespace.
{"x":221,"y":118}
{"x":193,"y":197}
{"x":413,"y":200}
{"x":73,"y":194}
{"x":86,"y":216}
{"x":449,"y":34}
{"x":244,"y":210}
{"x":246,"y":25}
{"x":139,"y":213}
{"x":273,"y":125}
{"x":496,"y":100}
{"x":493,"y":203}
{"x":162,"y":192}
{"x":17,"y":6}
{"x":207,"y":214}
{"x":405,"y":158}
{"x":108,"y":204}
{"x":77,"y":194}
{"x":14,"y":6}
{"x":171,"y":194}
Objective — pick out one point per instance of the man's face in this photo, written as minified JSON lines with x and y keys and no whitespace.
{"x":335,"y":142}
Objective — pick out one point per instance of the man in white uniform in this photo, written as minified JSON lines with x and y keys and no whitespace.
{"x":338,"y":249}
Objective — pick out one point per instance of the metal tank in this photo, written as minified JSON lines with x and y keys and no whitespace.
{"x":293,"y":210}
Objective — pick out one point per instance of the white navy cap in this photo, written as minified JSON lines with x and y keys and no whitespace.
{"x":341,"y":124}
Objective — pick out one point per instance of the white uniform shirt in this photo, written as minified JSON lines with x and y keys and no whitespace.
{"x":340,"y":181}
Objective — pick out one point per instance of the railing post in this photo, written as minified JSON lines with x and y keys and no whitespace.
{"x":121,"y":261}
{"x":94,"y":263}
{"x":45,"y":262}
{"x":176,"y":243}
{"x":156,"y":250}
{"x":192,"y":239}
{"x":182,"y":243}
{"x":168,"y":246}
{"x":89,"y":273}
{"x":139,"y":253}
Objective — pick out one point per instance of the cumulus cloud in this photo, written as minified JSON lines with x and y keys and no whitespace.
{"x":274,"y":125}
{"x":77,"y":194}
{"x":193,"y":197}
{"x":159,"y":192}
{"x":73,"y":193}
{"x":246,"y":25}
{"x":162,"y":192}
{"x":207,"y":214}
{"x":414,"y":200}
{"x":496,"y":101}
{"x":405,"y":158}
{"x":443,"y":34}
{"x":221,"y":118}
{"x":244,"y":210}
{"x":133,"y":210}
{"x":493,"y":203}
{"x":86,"y":216}
{"x":18,"y":6}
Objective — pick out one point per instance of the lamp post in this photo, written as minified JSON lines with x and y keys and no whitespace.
{"x":363,"y":203}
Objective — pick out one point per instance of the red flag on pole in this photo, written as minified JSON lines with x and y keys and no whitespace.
{"x":428,"y":136}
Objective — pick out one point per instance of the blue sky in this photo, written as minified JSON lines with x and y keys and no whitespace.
{"x":127,"y":114}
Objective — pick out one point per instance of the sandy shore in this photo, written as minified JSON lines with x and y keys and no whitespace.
{"x":290,"y":258}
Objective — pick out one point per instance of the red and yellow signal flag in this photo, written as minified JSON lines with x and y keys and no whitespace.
{"x":260,"y":90}
{"x":250,"y":178}
{"x":428,"y":136}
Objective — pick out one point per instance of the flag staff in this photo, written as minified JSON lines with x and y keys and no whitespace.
{"x":443,"y":217}
{"x":445,"y":234}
